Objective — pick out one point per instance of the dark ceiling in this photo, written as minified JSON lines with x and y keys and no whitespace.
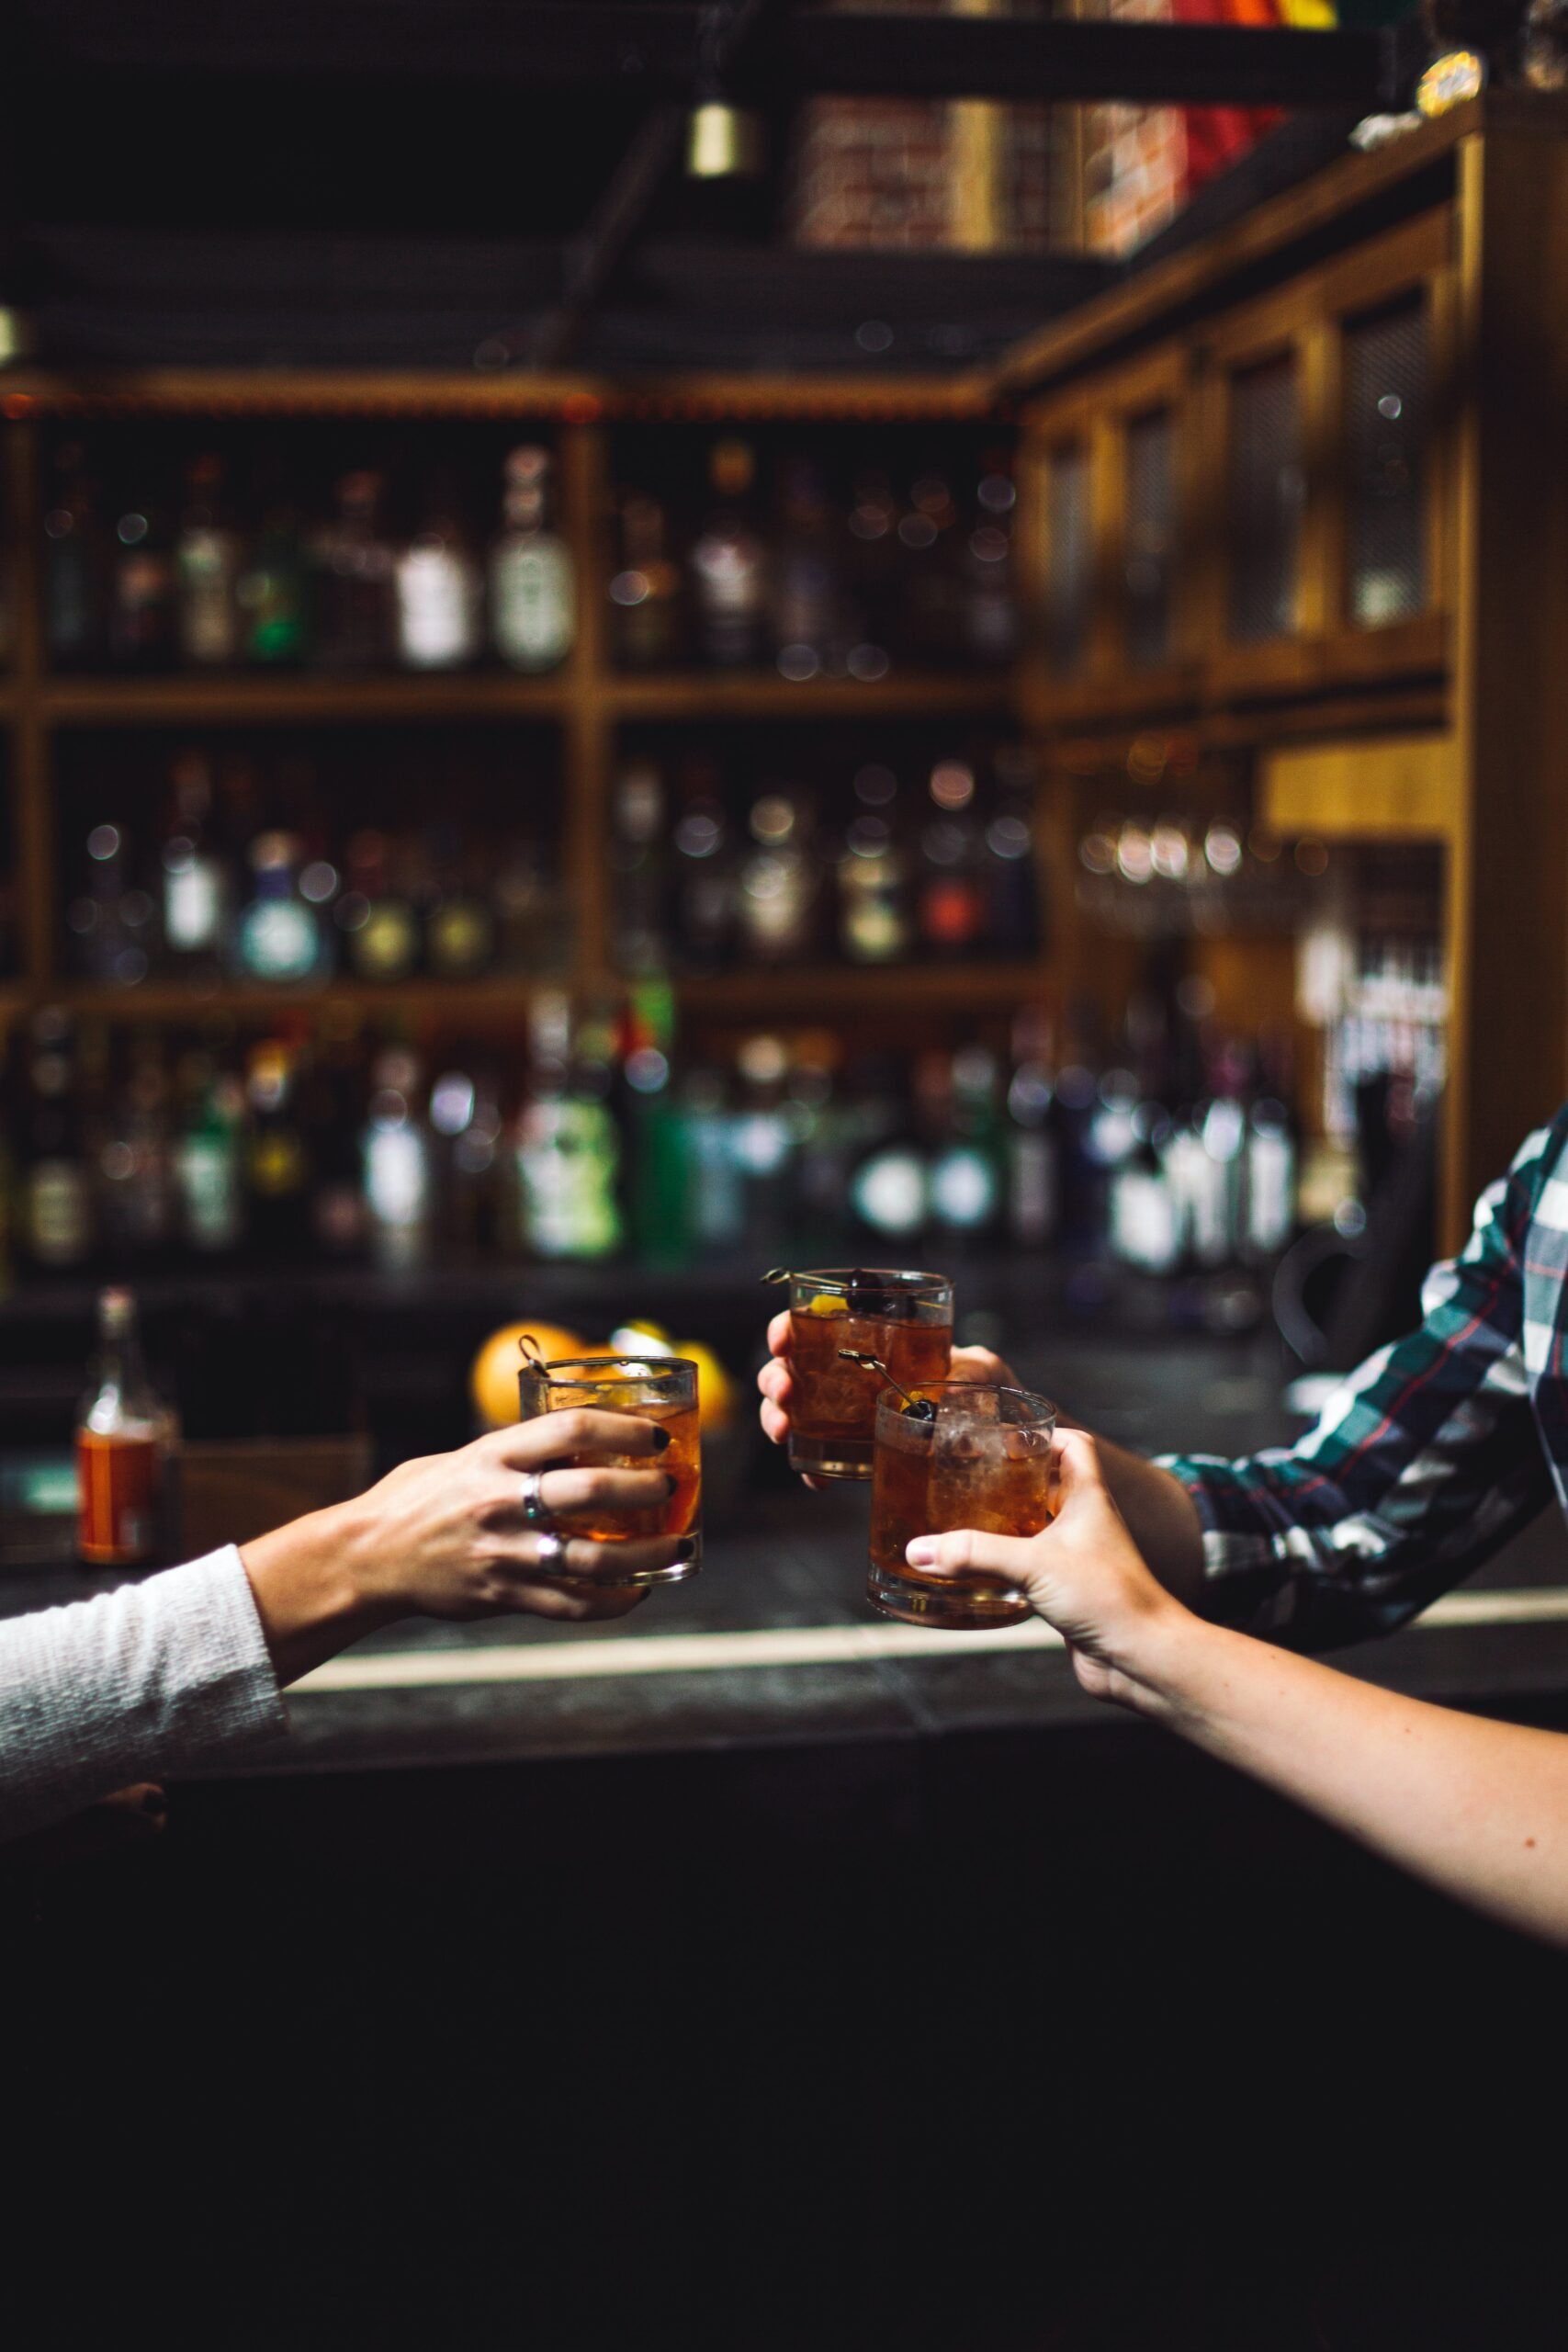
{"x":379,"y":182}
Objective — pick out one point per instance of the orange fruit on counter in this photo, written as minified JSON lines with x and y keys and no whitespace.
{"x":492,"y":1377}
{"x":716,"y":1390}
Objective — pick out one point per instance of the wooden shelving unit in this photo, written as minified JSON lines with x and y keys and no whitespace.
{"x":1467,"y":219}
{"x":587,"y":702}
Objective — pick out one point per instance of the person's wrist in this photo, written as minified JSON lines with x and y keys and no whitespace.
{"x":1160,"y":1655}
{"x":356,"y":1566}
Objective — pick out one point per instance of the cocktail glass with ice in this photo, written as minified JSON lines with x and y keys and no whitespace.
{"x":904,"y":1320}
{"x":983,"y":1458}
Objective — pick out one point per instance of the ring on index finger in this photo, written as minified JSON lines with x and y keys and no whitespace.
{"x":534,"y":1511}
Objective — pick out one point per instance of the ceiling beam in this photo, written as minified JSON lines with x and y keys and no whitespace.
{"x":655,"y":46}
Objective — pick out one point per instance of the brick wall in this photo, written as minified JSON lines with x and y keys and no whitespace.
{"x":880,"y":171}
{"x":1134,"y":157}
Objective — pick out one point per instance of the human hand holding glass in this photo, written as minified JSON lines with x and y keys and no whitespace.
{"x":780,"y":1386}
{"x":639,"y":1391}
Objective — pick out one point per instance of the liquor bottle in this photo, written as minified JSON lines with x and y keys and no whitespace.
{"x":532,"y":582}
{"x":396,"y":1165}
{"x":1009,"y":875}
{"x":889,"y":1189}
{"x":459,"y":928}
{"x":646,"y":590}
{"x":466,"y":1128}
{"x":966,"y":1174}
{"x":73,"y":584}
{"x":112,"y":922}
{"x":195,"y":882}
{"x":1034,"y":1186}
{"x":952,"y":904}
{"x":989,"y":606}
{"x":875,"y":918}
{"x":728,"y":564}
{"x":125,"y":1434}
{"x":352,"y":568}
{"x":933,"y":590}
{"x":382,"y":927}
{"x":208,"y":1170}
{"x":805,"y":589}
{"x":277,"y":1159}
{"x":779,"y":882}
{"x":639,"y":866}
{"x":530,"y":920}
{"x":1148,"y":1228}
{"x":873,"y":577}
{"x":271,"y":589}
{"x":56,"y":1220}
{"x":704,"y":872}
{"x":566,"y":1144}
{"x":143,"y":588}
{"x":135,"y":1160}
{"x":438,"y":589}
{"x":761,"y":1139}
{"x":207,"y":568}
{"x":279,"y":936}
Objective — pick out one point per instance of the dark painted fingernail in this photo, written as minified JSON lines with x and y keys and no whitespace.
{"x":671,"y":1482}
{"x":687,"y":1548}
{"x":661,"y":1439}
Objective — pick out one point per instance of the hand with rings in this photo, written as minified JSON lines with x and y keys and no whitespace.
{"x":469,"y":1535}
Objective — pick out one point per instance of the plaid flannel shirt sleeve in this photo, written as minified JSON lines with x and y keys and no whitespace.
{"x":1423,"y":1465}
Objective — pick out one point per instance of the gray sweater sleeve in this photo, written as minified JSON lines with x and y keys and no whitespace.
{"x":139,"y":1682}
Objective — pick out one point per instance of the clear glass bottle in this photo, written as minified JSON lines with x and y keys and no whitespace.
{"x":397,"y":1156}
{"x":729,"y":564}
{"x":195,"y":884}
{"x":779,"y":880}
{"x":352,"y":566}
{"x":143,"y":588}
{"x":646,"y":590}
{"x":124,"y":1435}
{"x":280,"y":936}
{"x":438,"y":589}
{"x":56,"y":1207}
{"x":533,"y":581}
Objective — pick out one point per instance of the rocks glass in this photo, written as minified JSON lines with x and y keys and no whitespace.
{"x":984,"y":1459}
{"x":654,"y":1389}
{"x":905,"y":1319}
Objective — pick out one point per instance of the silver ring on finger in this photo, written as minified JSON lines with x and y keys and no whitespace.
{"x":534,"y":1511}
{"x":549,"y":1554}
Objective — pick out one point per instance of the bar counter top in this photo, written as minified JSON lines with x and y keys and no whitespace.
{"x":774,"y":1644}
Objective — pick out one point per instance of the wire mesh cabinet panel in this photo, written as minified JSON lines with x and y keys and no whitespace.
{"x":1068,"y":559}
{"x":1266,"y":495}
{"x":1387,"y":423}
{"x":1149,"y":545}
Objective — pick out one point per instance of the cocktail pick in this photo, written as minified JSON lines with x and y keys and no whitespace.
{"x":786,"y":1274}
{"x":920,"y":1407}
{"x":530,"y":1350}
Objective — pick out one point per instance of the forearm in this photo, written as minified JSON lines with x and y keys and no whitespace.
{"x":1477,"y":1809}
{"x":139,"y":1682}
{"x":311,"y":1588}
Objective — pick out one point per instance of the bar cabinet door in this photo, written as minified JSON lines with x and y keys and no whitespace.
{"x":1265,"y":499}
{"x":1386,"y":363}
{"x":1149,"y":551}
{"x":1068,"y":579}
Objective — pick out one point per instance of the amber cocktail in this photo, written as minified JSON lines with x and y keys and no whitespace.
{"x":904,"y":1320}
{"x":654,"y":1389}
{"x":982,"y":1459}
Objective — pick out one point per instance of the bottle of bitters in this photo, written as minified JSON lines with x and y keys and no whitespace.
{"x":124,"y":1433}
